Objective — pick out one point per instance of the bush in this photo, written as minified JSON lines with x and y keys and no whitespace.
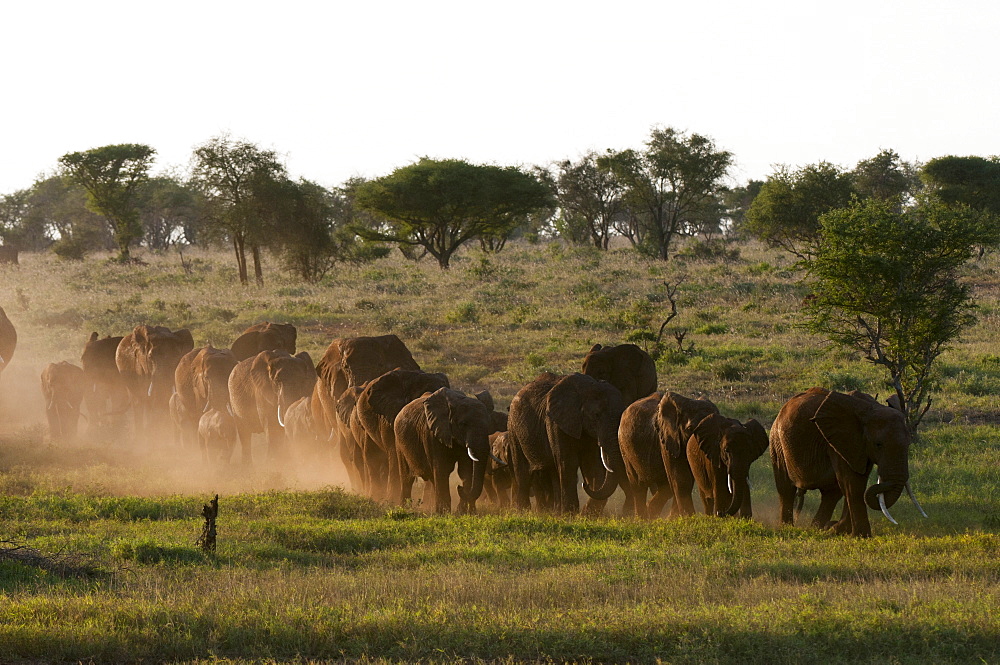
{"x":70,"y":249}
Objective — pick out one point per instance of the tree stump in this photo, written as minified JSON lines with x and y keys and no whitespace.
{"x":207,"y":538}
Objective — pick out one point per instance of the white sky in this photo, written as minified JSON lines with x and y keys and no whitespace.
{"x":344,"y":88}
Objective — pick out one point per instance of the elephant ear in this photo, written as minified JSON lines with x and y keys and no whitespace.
{"x":708,"y":434}
{"x":838,"y":419}
{"x":141,"y":338}
{"x":185,"y":342}
{"x":345,"y":404}
{"x":668,"y":426}
{"x":437,"y":411}
{"x":486,"y":398}
{"x":385,"y":395}
{"x":564,"y":407}
{"x":758,"y":438}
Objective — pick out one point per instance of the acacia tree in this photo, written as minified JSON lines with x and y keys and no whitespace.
{"x":886,"y":284}
{"x":786,"y":211}
{"x":590,"y":199}
{"x":442,"y":204}
{"x":111,"y":175}
{"x":669,"y":184}
{"x":237,"y":179}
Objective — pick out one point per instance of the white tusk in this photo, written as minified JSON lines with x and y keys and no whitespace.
{"x":604,"y":461}
{"x":229,"y":409}
{"x":914,"y":500}
{"x":498,"y":460}
{"x":207,"y":404}
{"x":333,"y":433}
{"x":149,"y":393}
{"x":280,"y":421}
{"x":885,"y":511}
{"x":729,"y":481}
{"x":471,"y":456}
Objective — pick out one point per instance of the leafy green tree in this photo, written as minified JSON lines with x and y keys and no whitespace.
{"x":239,"y":181}
{"x":111,"y":175}
{"x":57,"y":216}
{"x":669,"y":185}
{"x":590,"y":199}
{"x":442,"y":204}
{"x":787,"y":210}
{"x":886,"y":284}
{"x":13,"y":210}
{"x":736,"y":202}
{"x":973,"y":181}
{"x":169,"y":212}
{"x":885,"y":176}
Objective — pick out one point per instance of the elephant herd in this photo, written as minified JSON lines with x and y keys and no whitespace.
{"x":391,"y":422}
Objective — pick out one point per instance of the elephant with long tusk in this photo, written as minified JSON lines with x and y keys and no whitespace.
{"x":830,"y":441}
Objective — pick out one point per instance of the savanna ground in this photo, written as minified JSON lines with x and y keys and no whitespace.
{"x":306,"y":571}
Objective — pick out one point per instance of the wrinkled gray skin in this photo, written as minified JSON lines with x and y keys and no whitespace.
{"x":217,"y":435}
{"x":8,"y":340}
{"x":372,"y":423}
{"x":720,"y":452}
{"x":62,"y":387}
{"x":560,"y":426}
{"x":674,"y":421}
{"x":265,"y":336}
{"x":499,"y":475}
{"x":627,"y":367}
{"x":830,"y":441}
{"x":201,"y":381}
{"x":261,"y":389}
{"x":639,"y":439}
{"x":105,"y":392}
{"x":146,"y":359}
{"x":347,"y":363}
{"x":438,"y":431}
{"x":307,"y":441}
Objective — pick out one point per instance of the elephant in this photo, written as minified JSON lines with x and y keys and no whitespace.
{"x":720,"y":452}
{"x":217,"y":430}
{"x":303,"y":435}
{"x":351,"y":454}
{"x":627,"y":367}
{"x":826,"y":440}
{"x":666,"y":422}
{"x":640,"y":445}
{"x":260,"y":388}
{"x":146,"y":359}
{"x":201,"y":381}
{"x":106,"y":395}
{"x":349,"y":362}
{"x":372,"y":420}
{"x":499,"y":473}
{"x":63,"y":387}
{"x":265,"y":336}
{"x":8,"y":340}
{"x":438,"y":431}
{"x":563,"y":425}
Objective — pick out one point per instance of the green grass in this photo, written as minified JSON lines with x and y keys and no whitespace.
{"x":305,"y":571}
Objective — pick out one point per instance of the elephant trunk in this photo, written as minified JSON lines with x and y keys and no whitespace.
{"x":884,"y":493}
{"x":614,"y":467}
{"x":741,"y":488}
{"x":479,"y":453}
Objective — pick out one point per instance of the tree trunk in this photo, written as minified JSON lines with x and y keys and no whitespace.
{"x":258,"y":273}
{"x":241,"y":259}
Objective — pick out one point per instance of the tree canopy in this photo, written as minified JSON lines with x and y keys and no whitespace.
{"x":886,"y":284}
{"x":442,"y":204}
{"x":669,"y":185}
{"x":239,"y":181}
{"x":111,"y":175}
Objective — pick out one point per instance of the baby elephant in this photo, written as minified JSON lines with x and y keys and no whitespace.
{"x":62,"y":386}
{"x":217,"y":431}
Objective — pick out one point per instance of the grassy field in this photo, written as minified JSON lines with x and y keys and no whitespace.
{"x":306,"y":571}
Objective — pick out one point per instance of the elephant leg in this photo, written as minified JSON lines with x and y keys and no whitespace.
{"x":246,"y":441}
{"x":442,"y":488}
{"x":786,"y":495}
{"x":829,"y":496}
{"x":406,"y":479}
{"x":682,"y":481}
{"x":566,"y":478}
{"x":707,"y":502}
{"x":855,"y":521}
{"x":521,"y":488}
{"x":661,"y":496}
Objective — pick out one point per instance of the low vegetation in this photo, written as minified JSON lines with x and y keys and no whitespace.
{"x":305,"y":570}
